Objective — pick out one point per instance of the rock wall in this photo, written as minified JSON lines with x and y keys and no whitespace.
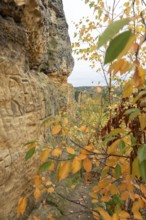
{"x":35,"y":60}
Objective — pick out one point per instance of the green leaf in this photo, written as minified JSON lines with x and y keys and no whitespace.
{"x":133,"y":113}
{"x":121,"y":146}
{"x":111,"y":31}
{"x":142,"y":153}
{"x":30,"y":153}
{"x":44,"y":166}
{"x":116,"y":46}
{"x":116,"y":131}
{"x":136,"y":168}
{"x":118,"y":170}
{"x":142,"y":167}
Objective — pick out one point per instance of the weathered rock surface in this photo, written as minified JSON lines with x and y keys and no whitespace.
{"x":35,"y":60}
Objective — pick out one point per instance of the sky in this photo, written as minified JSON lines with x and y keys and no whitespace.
{"x":82,"y":74}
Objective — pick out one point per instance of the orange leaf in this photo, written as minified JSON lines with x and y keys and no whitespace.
{"x":124,"y":215}
{"x":37,"y":193}
{"x":64,"y":170}
{"x":45,"y":154}
{"x":56,"y":129}
{"x":104,"y":214}
{"x":81,"y":156}
{"x":76,"y":165}
{"x":87,"y":164}
{"x":70,"y":150}
{"x":124,"y":195}
{"x":143,"y":189}
{"x":22,"y":203}
{"x":57,"y":151}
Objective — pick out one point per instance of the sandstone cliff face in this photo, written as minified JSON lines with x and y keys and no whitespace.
{"x":35,"y":60}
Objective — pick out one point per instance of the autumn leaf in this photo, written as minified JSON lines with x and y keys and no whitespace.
{"x":104,"y":214}
{"x":128,"y":89}
{"x":81,"y":156}
{"x":87,"y":164}
{"x":44,"y":155}
{"x":22,"y":203}
{"x":56,"y":129}
{"x":37,"y":193}
{"x":142,"y":119}
{"x":57,"y":152}
{"x":76,"y":165}
{"x":113,"y":147}
{"x":139,"y":77}
{"x":124,"y":215}
{"x":64,"y":170}
{"x":70,"y":150}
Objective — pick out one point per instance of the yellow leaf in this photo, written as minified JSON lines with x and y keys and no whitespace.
{"x":105,"y":198}
{"x":93,"y":195}
{"x":101,"y":184}
{"x":81,"y":156}
{"x":95,"y":215}
{"x":22,"y":203}
{"x":52,"y":167}
{"x":50,"y":190}
{"x":37,"y":180}
{"x":87,"y":164}
{"x":45,"y":154}
{"x":94,"y":201}
{"x":142,"y":119}
{"x":70,"y":150}
{"x":56,"y":129}
{"x":128,"y":89}
{"x":124,"y":215}
{"x":37,"y":193}
{"x":57,"y":151}
{"x":115,"y":217}
{"x":76,"y":165}
{"x":113,"y":147}
{"x":104,"y":214}
{"x":48,"y":183}
{"x":137,"y":215}
{"x":64,"y":170}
